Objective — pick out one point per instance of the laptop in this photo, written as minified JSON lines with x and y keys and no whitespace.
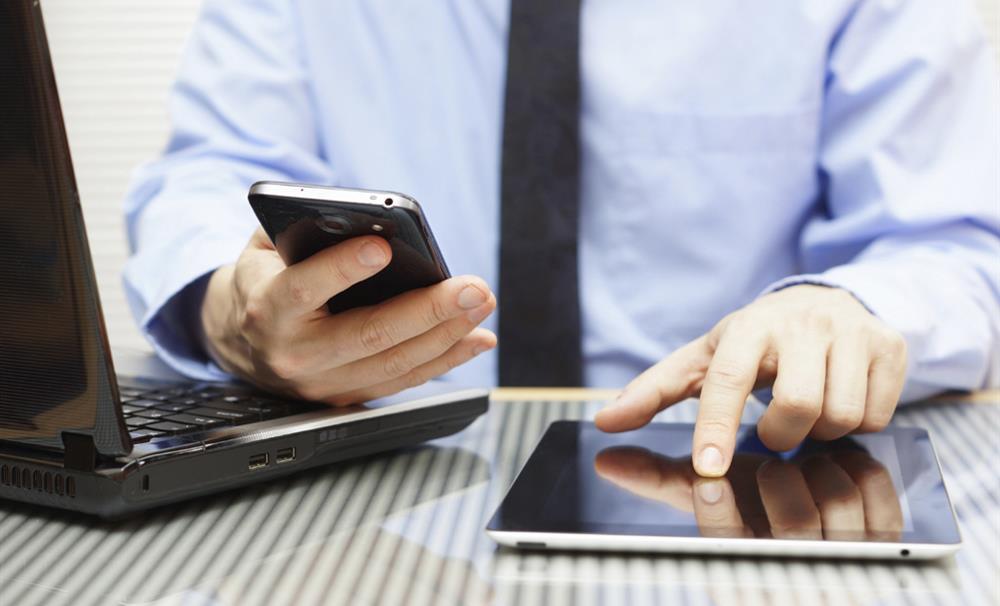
{"x":76,"y":435}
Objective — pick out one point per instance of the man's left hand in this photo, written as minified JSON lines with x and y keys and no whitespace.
{"x":835,"y":369}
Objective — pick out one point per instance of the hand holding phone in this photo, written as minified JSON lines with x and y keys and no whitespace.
{"x":302,"y":220}
{"x":268,"y":323}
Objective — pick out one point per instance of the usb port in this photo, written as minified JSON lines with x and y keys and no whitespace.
{"x":257,"y":461}
{"x":284,"y":455}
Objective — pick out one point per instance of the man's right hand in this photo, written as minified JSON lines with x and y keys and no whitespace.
{"x":268,"y":324}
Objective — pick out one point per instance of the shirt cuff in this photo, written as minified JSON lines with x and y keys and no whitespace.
{"x":176,"y":334}
{"x":815,"y":280}
{"x":166,"y":296}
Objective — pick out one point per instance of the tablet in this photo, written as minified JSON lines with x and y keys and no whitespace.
{"x":867,"y":496}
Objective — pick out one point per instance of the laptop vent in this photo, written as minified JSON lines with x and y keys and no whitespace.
{"x":38,"y":480}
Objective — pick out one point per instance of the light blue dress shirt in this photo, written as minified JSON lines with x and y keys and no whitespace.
{"x":729,"y":148}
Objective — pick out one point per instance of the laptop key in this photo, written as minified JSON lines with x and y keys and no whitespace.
{"x":137,"y":421}
{"x":129,"y":409}
{"x":199,"y":420}
{"x":267,"y":411}
{"x":223,"y":405}
{"x":151,"y":413}
{"x":144,"y":403}
{"x":175,"y":391}
{"x":171,"y":427}
{"x":227,"y":414}
{"x":175,"y":407}
{"x":250,"y":407}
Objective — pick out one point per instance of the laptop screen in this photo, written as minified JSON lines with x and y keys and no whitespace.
{"x":55,"y":372}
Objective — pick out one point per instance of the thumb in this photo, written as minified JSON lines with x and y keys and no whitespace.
{"x":675,"y":378}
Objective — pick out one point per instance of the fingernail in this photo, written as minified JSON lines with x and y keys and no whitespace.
{"x":479,"y":314}
{"x":471,"y":297}
{"x":710,"y":492}
{"x":710,"y":461}
{"x":371,"y":255}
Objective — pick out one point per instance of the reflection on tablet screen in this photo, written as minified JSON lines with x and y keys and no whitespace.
{"x":819,"y":490}
{"x":881,"y":487}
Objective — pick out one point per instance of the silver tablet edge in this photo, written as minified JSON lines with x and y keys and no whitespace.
{"x":724,"y":546}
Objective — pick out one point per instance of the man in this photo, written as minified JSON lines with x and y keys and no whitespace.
{"x":737,"y":194}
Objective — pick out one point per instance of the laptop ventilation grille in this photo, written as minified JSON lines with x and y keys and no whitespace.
{"x":36,"y":479}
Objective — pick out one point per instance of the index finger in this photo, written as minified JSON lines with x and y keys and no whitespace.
{"x":730,"y":378}
{"x":307,"y":285}
{"x":671,"y":380}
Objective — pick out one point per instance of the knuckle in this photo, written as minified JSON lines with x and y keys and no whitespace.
{"x":397,"y":363}
{"x":453,"y":360}
{"x":339,"y":269}
{"x":819,"y":320}
{"x":725,"y":375}
{"x":254,"y":312}
{"x":376,"y":334}
{"x":798,"y":405}
{"x":449,"y":336}
{"x":413,"y":379}
{"x":436,"y":312}
{"x":844,"y":418}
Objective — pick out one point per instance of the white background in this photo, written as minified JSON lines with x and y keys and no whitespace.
{"x":114,"y":62}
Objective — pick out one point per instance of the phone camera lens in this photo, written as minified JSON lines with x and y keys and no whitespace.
{"x":388,"y":201}
{"x":334,"y":225}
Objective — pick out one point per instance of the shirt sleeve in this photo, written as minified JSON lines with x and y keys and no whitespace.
{"x":910,"y":223}
{"x":241,"y":111}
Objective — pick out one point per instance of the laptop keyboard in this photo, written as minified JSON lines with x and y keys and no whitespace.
{"x":151,"y":413}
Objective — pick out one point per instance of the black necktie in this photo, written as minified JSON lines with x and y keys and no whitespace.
{"x":539,"y":340}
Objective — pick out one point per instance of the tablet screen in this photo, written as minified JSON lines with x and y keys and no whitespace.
{"x":882,"y":487}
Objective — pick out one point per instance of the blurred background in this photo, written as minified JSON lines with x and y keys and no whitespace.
{"x":114,"y":62}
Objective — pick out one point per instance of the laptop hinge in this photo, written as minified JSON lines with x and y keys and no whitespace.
{"x":80,"y":452}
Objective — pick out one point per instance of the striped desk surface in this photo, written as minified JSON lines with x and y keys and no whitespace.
{"x":407,"y":527}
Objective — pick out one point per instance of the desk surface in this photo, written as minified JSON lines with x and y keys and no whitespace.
{"x":408,"y":526}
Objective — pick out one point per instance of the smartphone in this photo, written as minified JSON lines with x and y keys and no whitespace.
{"x":302,"y":220}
